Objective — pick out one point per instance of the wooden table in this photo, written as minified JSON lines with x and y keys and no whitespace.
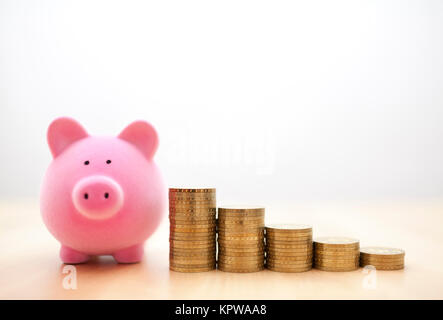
{"x":30,"y":267}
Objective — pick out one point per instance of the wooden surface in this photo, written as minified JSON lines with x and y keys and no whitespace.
{"x":30,"y":267}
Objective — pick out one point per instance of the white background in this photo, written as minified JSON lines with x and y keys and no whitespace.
{"x":282,"y":101}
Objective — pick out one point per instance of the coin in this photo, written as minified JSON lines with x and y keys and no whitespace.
{"x":192,"y":237}
{"x":191,"y":244}
{"x":191,"y":190}
{"x":386,"y":267}
{"x":191,"y":197}
{"x":289,"y":262}
{"x":192,"y":261}
{"x":225,"y":268}
{"x":289,"y":269}
{"x":288,"y":228}
{"x":241,"y":208}
{"x":247,"y":223}
{"x":336,"y":242}
{"x":271,"y":238}
{"x":241,"y":238}
{"x":191,"y":252}
{"x":382,"y":252}
{"x":336,"y":269}
{"x":234,"y":250}
{"x":193,"y":228}
{"x":278,"y":256}
{"x":242,"y":217}
{"x":205,"y":223}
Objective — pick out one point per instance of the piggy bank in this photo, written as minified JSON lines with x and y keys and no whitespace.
{"x":102,"y":195}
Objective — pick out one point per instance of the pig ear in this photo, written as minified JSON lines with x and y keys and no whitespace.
{"x":62,"y":132}
{"x":143,"y":136}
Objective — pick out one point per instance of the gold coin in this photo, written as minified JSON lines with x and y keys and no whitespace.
{"x":241,"y":238}
{"x":244,"y":218}
{"x":242,"y":230}
{"x":193,"y":228}
{"x":241,"y":244}
{"x":239,"y":270}
{"x":242,"y":263}
{"x":381,"y":258}
{"x":192,"y":254}
{"x":203,"y":252}
{"x":192,"y":201}
{"x":192,"y":196}
{"x":287,"y":239}
{"x":339,"y":259}
{"x":288,"y":228}
{"x":192,"y":237}
{"x":290,"y":258}
{"x":289,"y":262}
{"x":336,"y":269}
{"x":377,"y":264}
{"x":176,"y":244}
{"x":382,"y":252}
{"x":254,"y":233}
{"x":192,"y":261}
{"x":191,"y":224}
{"x":289,"y":269}
{"x":336,"y":241}
{"x":241,"y":258}
{"x":338,"y":266}
{"x":285,"y":243}
{"x":385,"y":267}
{"x":277,"y":246}
{"x":290,"y":251}
{"x":296,"y":255}
{"x":191,"y":190}
{"x":247,"y":223}
{"x":193,"y":218}
{"x":191,"y":209}
{"x":190,"y":270}
{"x":241,"y":209}
{"x":337,"y":252}
{"x":201,"y":265}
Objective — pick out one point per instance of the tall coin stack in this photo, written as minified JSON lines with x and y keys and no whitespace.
{"x":382,"y":258}
{"x":241,"y":239}
{"x":192,"y":216}
{"x":289,"y":247}
{"x":336,"y":254}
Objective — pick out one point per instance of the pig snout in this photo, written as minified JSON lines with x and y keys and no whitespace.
{"x":97,"y":197}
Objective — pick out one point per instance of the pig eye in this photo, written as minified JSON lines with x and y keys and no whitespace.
{"x":108,"y":161}
{"x":86,"y":162}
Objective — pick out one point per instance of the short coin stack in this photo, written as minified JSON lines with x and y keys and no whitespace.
{"x":241,"y":239}
{"x":289,"y":247}
{"x":336,"y":254}
{"x":382,"y":258}
{"x":192,"y":216}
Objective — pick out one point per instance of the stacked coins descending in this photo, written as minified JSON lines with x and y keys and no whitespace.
{"x":382,"y":258}
{"x":241,"y":239}
{"x":336,"y":254}
{"x":289,"y":247}
{"x":192,"y":216}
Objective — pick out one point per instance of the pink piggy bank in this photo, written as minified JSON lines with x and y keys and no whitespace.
{"x":102,"y":195}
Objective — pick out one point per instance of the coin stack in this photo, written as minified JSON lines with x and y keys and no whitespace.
{"x":336,"y":254}
{"x":192,"y":216}
{"x":241,"y":239}
{"x":382,"y":258}
{"x":289,"y":247}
